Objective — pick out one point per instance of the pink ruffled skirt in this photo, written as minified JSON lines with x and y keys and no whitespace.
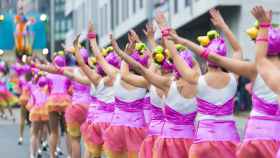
{"x":262,"y":139}
{"x":120,"y":141}
{"x":172,"y":147}
{"x":215,"y":139}
{"x":75,"y":116}
{"x":92,"y":134}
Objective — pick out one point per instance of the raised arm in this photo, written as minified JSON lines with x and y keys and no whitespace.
{"x":157,"y":80}
{"x":47,"y":68}
{"x":76,"y":77}
{"x":135,"y":80}
{"x":110,"y":70}
{"x":219,"y":22}
{"x":243,"y":68}
{"x":150,"y":32}
{"x":91,"y":74}
{"x":269,"y":72}
{"x":189,"y":74}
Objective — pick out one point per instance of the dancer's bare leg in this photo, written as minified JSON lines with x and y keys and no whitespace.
{"x":54,"y":133}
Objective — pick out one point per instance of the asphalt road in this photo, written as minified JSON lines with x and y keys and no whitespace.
{"x":9,"y":137}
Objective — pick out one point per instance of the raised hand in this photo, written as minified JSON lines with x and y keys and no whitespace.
{"x":114,"y":42}
{"x":160,"y":19}
{"x":149,"y":31}
{"x":217,"y":19}
{"x":91,"y":27}
{"x":76,"y":42}
{"x":134,"y":37}
{"x":261,"y":14}
{"x":174,"y":36}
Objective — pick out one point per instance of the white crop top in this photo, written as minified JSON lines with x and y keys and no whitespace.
{"x":127,"y":95}
{"x":217,"y":96}
{"x":102,"y":92}
{"x":178,"y":103}
{"x":261,"y":90}
{"x":155,"y":99}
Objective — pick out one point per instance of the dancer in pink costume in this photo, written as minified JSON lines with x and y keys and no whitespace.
{"x":179,"y":110}
{"x":155,"y":102}
{"x":267,"y":46}
{"x":128,"y":129}
{"x":25,"y":76}
{"x":38,"y":112}
{"x":215,"y":97}
{"x":101,"y":110}
{"x":76,"y":113}
{"x":58,"y":100}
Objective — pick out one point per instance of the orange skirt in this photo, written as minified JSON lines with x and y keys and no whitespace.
{"x":258,"y":149}
{"x":213,"y":149}
{"x":58,"y":102}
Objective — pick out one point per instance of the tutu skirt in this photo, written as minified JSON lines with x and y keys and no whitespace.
{"x":92,"y":134}
{"x":58,"y":102}
{"x":39,"y":113}
{"x":258,"y":149}
{"x":12,"y":99}
{"x":146,"y":149}
{"x":278,"y":154}
{"x":213,"y":149}
{"x":122,"y":140}
{"x":262,"y":138}
{"x":3,"y":102}
{"x":23,"y":99}
{"x":9,"y":98}
{"x":75,"y":116}
{"x":172,"y":148}
{"x":215,"y":139}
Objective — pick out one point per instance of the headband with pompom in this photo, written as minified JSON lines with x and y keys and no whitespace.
{"x":273,"y":38}
{"x":187,"y":56}
{"x":110,"y":56}
{"x":162,"y":58}
{"x":214,"y":44}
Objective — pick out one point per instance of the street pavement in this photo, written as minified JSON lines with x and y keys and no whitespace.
{"x":9,"y":137}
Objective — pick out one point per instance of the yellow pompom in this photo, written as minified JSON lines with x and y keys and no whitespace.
{"x":180,"y":47}
{"x":93,"y":60}
{"x":61,"y":52}
{"x":104,"y":52}
{"x":159,"y":57}
{"x":252,"y":32}
{"x":41,"y":73}
{"x":212,"y":34}
{"x":158,"y":49}
{"x":140,"y":46}
{"x":203,"y":40}
{"x":109,"y":49}
{"x":167,"y":53}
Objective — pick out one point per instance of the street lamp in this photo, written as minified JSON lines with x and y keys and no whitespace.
{"x":43,"y":17}
{"x":45,"y":51}
{"x":2,"y":17}
{"x":1,"y":52}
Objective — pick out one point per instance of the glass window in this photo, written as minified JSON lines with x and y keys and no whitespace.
{"x":141,"y":4}
{"x":175,"y":6}
{"x":187,"y":2}
{"x":57,"y":26}
{"x":106,"y":18}
{"x":117,"y":12}
{"x":112,"y":15}
{"x":134,"y":6}
{"x":123,"y":9}
{"x":101,"y":21}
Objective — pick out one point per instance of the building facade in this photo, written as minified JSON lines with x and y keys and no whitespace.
{"x":189,"y":17}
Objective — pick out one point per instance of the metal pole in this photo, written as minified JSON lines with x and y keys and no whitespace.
{"x":52,"y":20}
